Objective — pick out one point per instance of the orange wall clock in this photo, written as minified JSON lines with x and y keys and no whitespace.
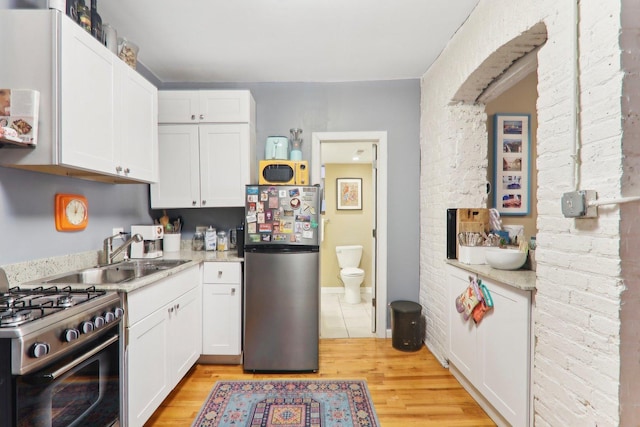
{"x":71,"y":211}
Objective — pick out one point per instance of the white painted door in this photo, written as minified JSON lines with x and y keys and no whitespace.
{"x":87,"y":101}
{"x":374,"y":244}
{"x":221,"y":319}
{"x":147,"y":361}
{"x":179,"y":168}
{"x":137,"y":126}
{"x":225,"y":106}
{"x":462,"y":333}
{"x":184,"y":334}
{"x":503,"y":352}
{"x":178,"y":106}
{"x":224,"y":164}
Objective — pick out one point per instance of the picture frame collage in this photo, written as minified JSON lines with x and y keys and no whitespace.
{"x":512,"y":147}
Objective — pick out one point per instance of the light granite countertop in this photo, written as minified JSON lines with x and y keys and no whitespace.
{"x":29,"y":272}
{"x":521,"y":279}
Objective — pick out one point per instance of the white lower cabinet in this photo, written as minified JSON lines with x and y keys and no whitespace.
{"x":222,"y":309}
{"x":163,"y":340}
{"x":494,"y":356}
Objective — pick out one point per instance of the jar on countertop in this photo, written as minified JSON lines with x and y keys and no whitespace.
{"x":197,"y":243}
{"x":223,"y":243}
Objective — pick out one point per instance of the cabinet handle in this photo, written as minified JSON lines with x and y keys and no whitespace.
{"x":193,"y":117}
{"x":118,"y":169}
{"x":170,"y":309}
{"x":177,"y":307}
{"x":126,"y":171}
{"x":233,"y":291}
{"x":219,"y":273}
{"x":204,"y":202}
{"x":193,"y":203}
{"x":201,"y":116}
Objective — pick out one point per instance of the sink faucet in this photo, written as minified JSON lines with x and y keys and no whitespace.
{"x":110,"y":253}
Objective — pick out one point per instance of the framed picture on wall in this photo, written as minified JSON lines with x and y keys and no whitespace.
{"x":512,"y":147}
{"x":349,"y":193}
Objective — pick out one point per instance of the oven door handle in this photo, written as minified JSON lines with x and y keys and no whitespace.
{"x":52,"y":376}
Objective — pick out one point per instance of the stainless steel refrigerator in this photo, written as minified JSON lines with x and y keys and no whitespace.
{"x":282,"y":269}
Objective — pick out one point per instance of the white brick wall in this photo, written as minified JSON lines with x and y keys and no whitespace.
{"x":587,"y":314}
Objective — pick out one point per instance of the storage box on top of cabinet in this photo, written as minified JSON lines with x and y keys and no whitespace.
{"x":205,"y":164}
{"x":98,"y":117}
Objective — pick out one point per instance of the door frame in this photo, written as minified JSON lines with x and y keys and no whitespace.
{"x":380,"y":139}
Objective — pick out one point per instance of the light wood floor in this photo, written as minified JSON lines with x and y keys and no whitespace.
{"x":407,"y":388}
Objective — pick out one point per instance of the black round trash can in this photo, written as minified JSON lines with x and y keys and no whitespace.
{"x":406,"y":330}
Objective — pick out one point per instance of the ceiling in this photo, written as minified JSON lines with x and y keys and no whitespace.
{"x":287,"y":40}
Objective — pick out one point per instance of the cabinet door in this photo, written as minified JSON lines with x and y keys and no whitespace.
{"x":178,"y":183}
{"x":462,"y":333}
{"x":148,"y":381}
{"x":136,"y":118}
{"x":504,"y":353}
{"x":225,"y":106}
{"x":221,"y":319}
{"x":224,"y":164}
{"x":87,"y":100}
{"x":178,"y":106}
{"x":185,"y":343}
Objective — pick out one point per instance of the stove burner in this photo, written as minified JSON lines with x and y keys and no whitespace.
{"x":15,"y":318}
{"x":65,"y":301}
{"x":7,"y":299}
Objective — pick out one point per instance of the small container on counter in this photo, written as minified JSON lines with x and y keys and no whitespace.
{"x":210,"y":239}
{"x":223,"y":243}
{"x":197,"y":243}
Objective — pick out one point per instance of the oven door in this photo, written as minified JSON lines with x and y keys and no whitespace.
{"x":79,"y":390}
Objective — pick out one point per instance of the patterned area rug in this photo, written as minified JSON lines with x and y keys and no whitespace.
{"x":297,"y":403}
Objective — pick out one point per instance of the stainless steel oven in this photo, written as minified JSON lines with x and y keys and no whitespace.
{"x":60,"y":357}
{"x":79,"y":390}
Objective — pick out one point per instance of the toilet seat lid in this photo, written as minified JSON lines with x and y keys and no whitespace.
{"x":351,"y":271}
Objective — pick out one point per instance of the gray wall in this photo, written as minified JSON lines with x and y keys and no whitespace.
{"x":27,"y":214}
{"x":26,"y":198}
{"x":392,"y":106}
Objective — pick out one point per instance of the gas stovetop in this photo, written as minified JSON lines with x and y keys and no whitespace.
{"x":41,"y":324}
{"x":20,"y":306}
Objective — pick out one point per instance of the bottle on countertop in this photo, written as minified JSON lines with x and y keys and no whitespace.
{"x":210,"y":239}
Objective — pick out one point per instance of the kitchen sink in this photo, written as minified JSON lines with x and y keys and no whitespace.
{"x":116,"y":273}
{"x":95,"y":276}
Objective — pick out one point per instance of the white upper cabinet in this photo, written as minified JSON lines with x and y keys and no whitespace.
{"x":206,"y":106}
{"x":98,"y":117}
{"x":205,"y":164}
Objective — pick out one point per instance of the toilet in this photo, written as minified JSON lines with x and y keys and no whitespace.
{"x":351,"y":276}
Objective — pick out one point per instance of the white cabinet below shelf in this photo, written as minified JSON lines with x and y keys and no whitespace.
{"x":164,"y":336}
{"x":222,"y":309}
{"x":203,"y":166}
{"x":494,"y":355}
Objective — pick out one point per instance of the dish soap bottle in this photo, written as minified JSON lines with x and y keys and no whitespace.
{"x":210,"y":239}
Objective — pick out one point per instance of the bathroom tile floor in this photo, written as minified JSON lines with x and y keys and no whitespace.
{"x":339,"y":319}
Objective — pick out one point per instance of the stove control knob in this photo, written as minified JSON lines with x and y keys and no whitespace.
{"x":98,"y":321}
{"x":109,"y":317}
{"x":119,"y":312}
{"x":86,"y":327}
{"x":39,"y":349}
{"x":71,"y":335}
